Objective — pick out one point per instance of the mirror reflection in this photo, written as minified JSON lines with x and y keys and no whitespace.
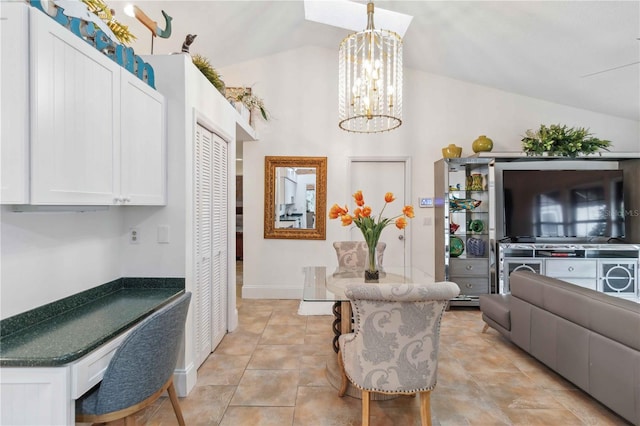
{"x":292,"y":187}
{"x":295,"y":202}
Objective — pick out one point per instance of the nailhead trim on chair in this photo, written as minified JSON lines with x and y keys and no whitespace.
{"x":355,"y":332}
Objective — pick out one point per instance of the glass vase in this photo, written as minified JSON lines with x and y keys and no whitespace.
{"x":371,"y":273}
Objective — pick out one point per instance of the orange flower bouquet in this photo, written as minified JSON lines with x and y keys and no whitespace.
{"x":370,"y":226}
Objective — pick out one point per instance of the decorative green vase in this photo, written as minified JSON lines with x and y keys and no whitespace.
{"x":482,"y":144}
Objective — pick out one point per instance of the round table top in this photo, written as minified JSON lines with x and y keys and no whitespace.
{"x":322,"y":285}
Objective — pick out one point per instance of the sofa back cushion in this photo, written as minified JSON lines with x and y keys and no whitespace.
{"x":613,"y":317}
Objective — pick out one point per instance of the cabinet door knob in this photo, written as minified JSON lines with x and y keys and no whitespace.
{"x":570,"y":268}
{"x":468,"y":285}
{"x":469,"y":267}
{"x":401,"y":237}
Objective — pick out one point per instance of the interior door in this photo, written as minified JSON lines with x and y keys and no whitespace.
{"x":210,"y":221}
{"x":203,"y":250}
{"x":375,"y":177}
{"x":219,"y":279}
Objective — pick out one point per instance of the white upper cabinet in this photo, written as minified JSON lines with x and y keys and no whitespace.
{"x":143,"y":143}
{"x":97,"y":133}
{"x":75,"y":105}
{"x":14,"y":103}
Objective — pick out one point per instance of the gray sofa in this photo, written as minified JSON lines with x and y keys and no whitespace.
{"x":590,"y":338}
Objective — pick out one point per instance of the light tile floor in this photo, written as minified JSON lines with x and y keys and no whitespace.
{"x":271,"y":371}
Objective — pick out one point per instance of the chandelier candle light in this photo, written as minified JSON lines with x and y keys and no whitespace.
{"x":370,"y":227}
{"x":370,"y":81}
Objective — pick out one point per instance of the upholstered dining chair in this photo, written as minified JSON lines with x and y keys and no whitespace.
{"x":393,"y":348}
{"x":140,"y":370}
{"x":353,"y":254}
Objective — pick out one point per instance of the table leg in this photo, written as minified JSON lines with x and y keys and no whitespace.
{"x":336,"y":325}
{"x":342,"y":322}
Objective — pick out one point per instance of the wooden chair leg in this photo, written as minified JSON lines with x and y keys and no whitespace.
{"x":365,"y":408}
{"x":171,"y":390}
{"x":485,"y":328}
{"x":130,"y":420}
{"x":345,"y":380}
{"x":425,"y":408}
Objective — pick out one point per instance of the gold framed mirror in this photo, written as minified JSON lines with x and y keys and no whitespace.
{"x":295,"y":197}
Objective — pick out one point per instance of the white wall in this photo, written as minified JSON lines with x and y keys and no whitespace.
{"x":49,"y":256}
{"x":300,"y":90}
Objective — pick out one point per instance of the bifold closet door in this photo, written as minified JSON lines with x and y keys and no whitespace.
{"x":210,"y":241}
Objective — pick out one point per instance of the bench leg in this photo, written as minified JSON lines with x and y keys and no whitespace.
{"x":485,"y":328}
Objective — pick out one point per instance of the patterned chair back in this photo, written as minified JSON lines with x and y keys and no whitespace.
{"x":394,"y":345}
{"x":353,"y":254}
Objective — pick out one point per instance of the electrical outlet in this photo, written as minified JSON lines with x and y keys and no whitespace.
{"x":134,"y":236}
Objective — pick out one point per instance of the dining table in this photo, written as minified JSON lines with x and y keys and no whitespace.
{"x":328,"y":284}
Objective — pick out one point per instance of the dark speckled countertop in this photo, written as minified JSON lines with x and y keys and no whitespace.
{"x":64,"y":331}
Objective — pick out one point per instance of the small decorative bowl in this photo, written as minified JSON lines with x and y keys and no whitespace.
{"x":452,"y":151}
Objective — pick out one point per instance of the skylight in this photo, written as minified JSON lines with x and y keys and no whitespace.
{"x":353,"y":16}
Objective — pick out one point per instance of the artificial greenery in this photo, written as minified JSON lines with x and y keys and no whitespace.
{"x":209,"y":72}
{"x":563,"y":141}
{"x":103,"y":12}
{"x":248,"y":99}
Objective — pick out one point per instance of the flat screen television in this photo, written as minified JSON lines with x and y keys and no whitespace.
{"x":558,"y":204}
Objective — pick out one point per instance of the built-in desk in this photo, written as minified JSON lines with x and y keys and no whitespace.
{"x":52,"y":355}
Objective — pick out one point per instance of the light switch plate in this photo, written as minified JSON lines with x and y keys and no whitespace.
{"x":163,"y":234}
{"x":425,"y":202}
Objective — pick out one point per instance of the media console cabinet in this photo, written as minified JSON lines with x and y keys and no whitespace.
{"x":608,"y":268}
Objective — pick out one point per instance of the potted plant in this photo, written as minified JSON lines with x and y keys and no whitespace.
{"x":209,"y":72}
{"x":370,"y":226}
{"x":563,"y":141}
{"x":245,"y":96}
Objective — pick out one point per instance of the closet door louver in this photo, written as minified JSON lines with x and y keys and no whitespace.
{"x":210,"y":241}
{"x":219,"y":240}
{"x":202,"y":242}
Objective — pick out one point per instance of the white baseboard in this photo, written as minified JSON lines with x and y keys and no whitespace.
{"x":264,"y":292}
{"x":185,"y":379}
{"x":315,"y":308}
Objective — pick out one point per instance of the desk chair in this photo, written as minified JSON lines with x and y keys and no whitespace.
{"x":140,"y":370}
{"x":393,"y":348}
{"x":353,"y":254}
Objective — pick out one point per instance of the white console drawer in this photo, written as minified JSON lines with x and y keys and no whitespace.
{"x":88,"y":370}
{"x":571,"y":268}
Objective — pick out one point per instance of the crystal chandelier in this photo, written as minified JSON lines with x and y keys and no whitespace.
{"x":370,"y":82}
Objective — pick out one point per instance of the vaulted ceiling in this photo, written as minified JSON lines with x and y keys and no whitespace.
{"x":579,"y":53}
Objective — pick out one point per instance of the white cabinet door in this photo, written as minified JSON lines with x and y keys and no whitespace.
{"x":14,"y":103}
{"x":75,"y":104}
{"x":143,"y":145}
{"x":36,"y":396}
{"x":289,"y":191}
